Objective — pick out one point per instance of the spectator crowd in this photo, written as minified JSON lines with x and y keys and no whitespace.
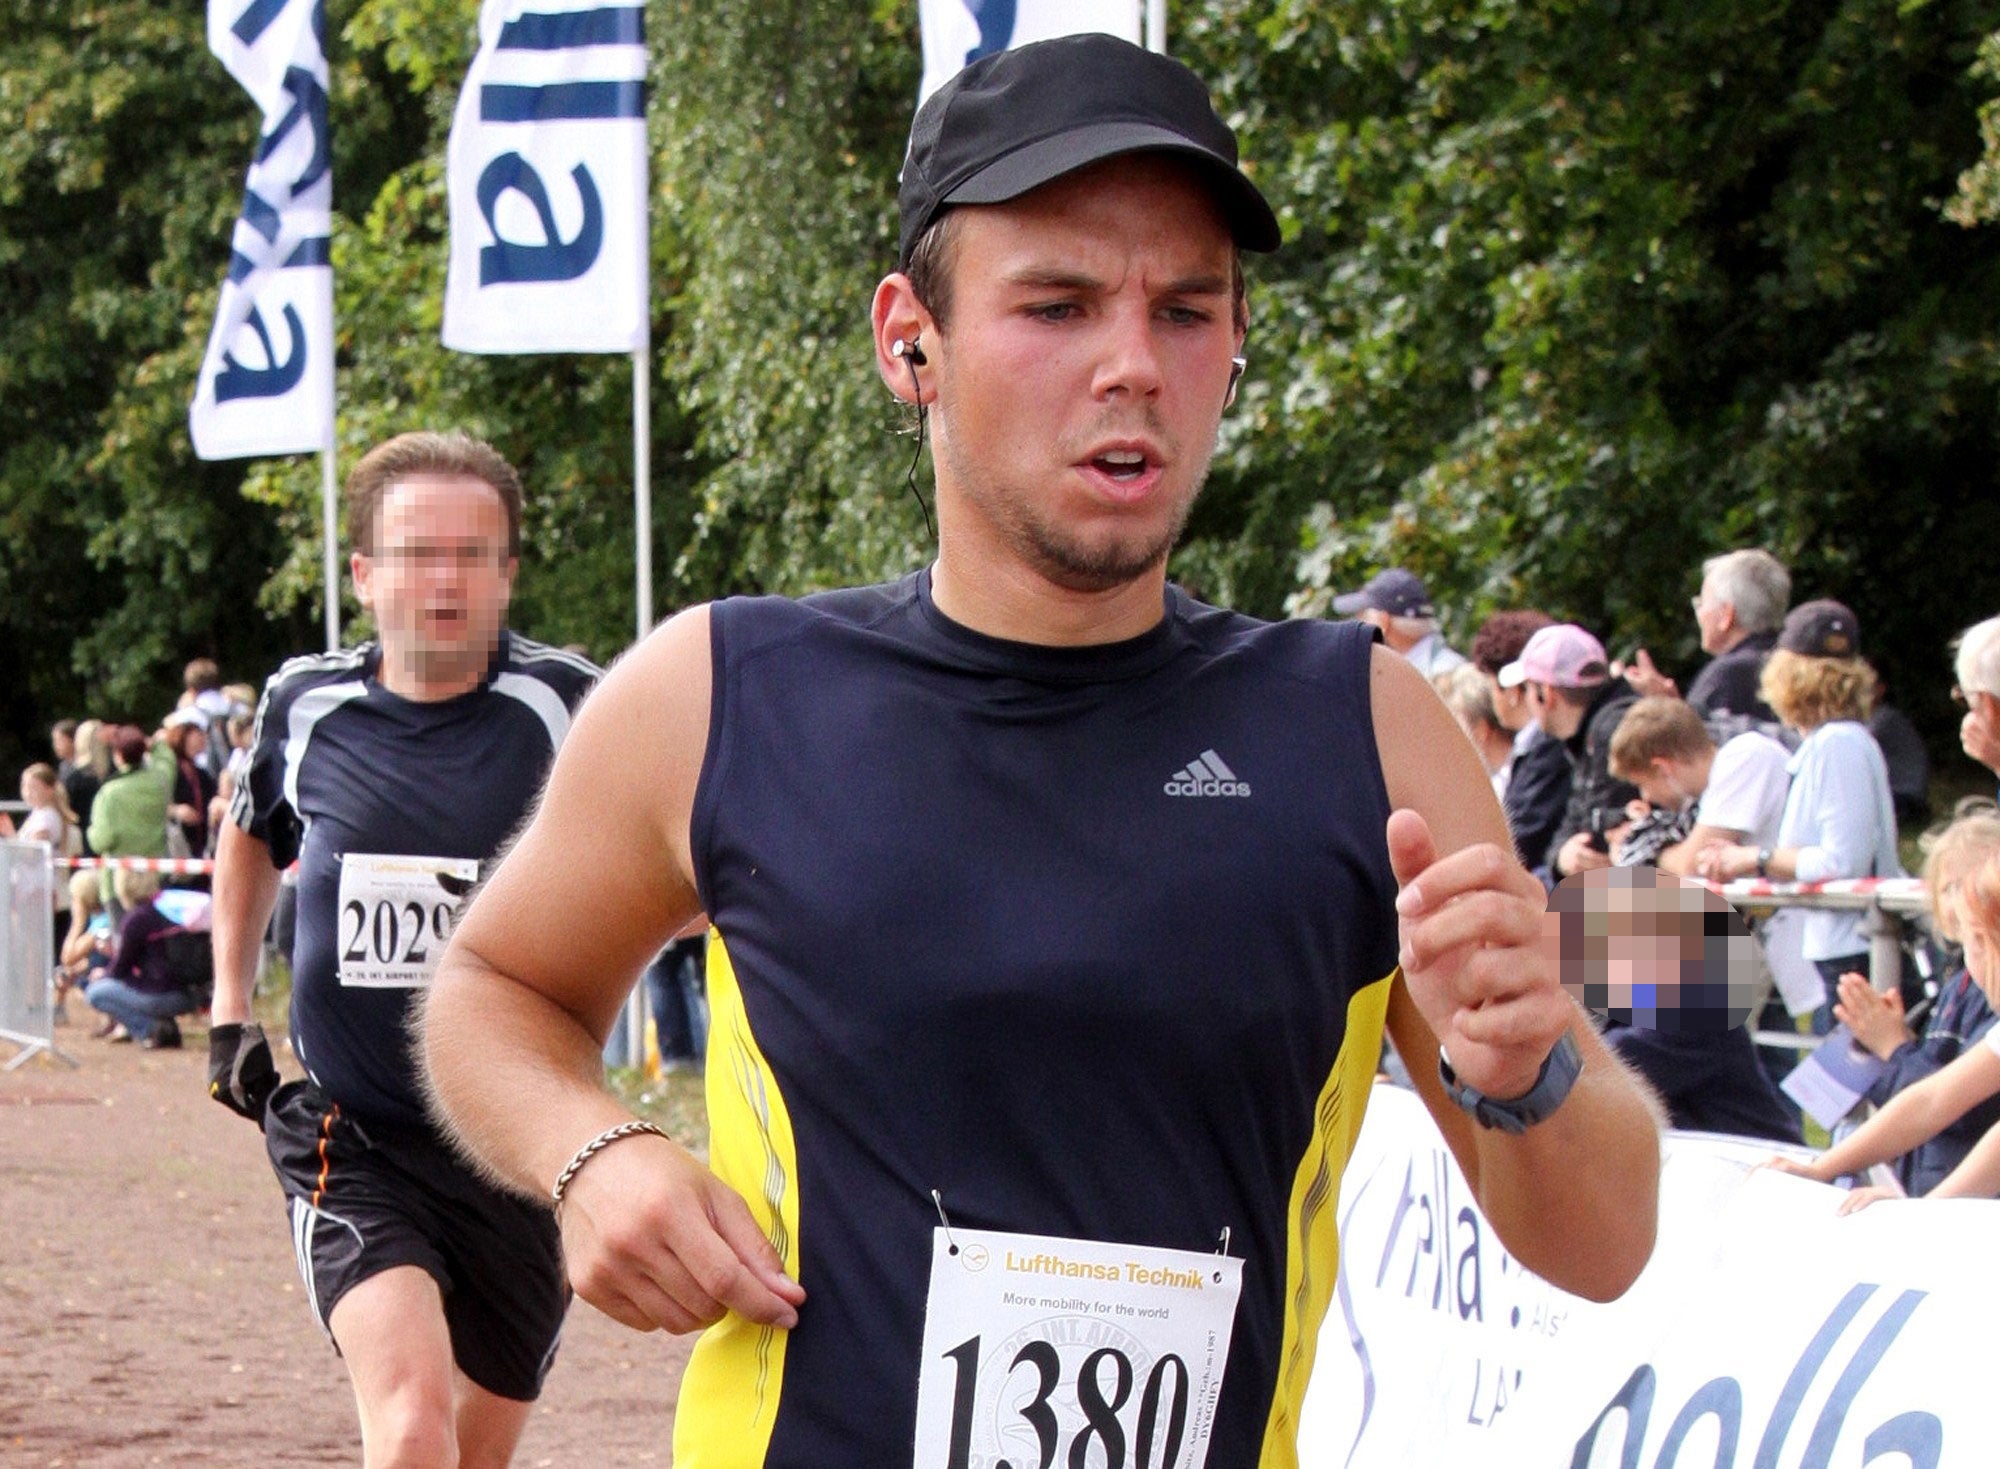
{"x":1783,"y":760}
{"x":133,"y":948}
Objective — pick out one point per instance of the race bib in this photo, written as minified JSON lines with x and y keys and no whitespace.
{"x":1041,"y":1352}
{"x":396,"y":914}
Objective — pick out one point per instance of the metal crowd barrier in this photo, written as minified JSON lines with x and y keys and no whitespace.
{"x":27,"y":952}
{"x":1890,"y":904}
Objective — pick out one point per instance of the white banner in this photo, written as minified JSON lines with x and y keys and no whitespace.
{"x":266,"y":382}
{"x":547,"y":177}
{"x":957,"y":32}
{"x":1767,"y":1333}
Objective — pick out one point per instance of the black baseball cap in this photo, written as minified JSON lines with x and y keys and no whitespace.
{"x":1016,"y":120}
{"x":1397,"y":592}
{"x":1822,"y":629}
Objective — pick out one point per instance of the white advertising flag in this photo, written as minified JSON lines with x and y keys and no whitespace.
{"x":266,"y":382}
{"x":957,"y":32}
{"x":547,"y":177}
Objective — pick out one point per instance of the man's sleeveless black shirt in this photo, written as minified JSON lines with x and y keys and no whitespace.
{"x":1094,"y":942}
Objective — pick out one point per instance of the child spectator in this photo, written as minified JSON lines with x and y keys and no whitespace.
{"x":50,"y":820}
{"x":1959,"y":1018}
{"x":1921,"y":1111}
{"x":86,"y":949}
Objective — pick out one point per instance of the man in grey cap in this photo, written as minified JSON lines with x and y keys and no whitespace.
{"x":1397,"y":603}
{"x":1058,"y":917}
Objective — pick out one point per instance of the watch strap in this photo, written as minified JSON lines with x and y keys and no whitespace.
{"x":1559,"y":1072}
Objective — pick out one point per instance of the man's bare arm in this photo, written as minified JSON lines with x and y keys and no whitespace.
{"x":246,"y":890}
{"x":1575,"y":1197}
{"x":1679,"y":858}
{"x":513,"y":1030}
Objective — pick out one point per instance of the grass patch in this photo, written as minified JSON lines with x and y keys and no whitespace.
{"x":675,"y":1101}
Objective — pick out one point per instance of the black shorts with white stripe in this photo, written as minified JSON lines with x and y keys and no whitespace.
{"x":364,"y":1199}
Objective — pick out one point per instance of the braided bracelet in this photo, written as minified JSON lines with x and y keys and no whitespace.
{"x":590,"y":1150}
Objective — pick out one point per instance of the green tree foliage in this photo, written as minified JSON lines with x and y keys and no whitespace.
{"x":1573,"y":294}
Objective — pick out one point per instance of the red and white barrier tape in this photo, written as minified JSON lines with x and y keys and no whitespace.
{"x":171,"y":866}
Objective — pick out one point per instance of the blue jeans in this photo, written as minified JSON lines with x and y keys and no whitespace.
{"x":136,"y":1009}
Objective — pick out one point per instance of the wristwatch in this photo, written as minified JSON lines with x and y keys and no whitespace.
{"x":1558,"y":1074}
{"x":1763,"y":861}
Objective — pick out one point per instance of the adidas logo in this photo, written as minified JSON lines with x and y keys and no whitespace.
{"x":1206,"y":775}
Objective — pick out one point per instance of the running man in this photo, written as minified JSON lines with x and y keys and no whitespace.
{"x":1058,"y":915}
{"x":392,"y":772}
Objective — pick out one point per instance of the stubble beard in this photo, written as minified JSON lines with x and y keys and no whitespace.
{"x":1065,"y":559}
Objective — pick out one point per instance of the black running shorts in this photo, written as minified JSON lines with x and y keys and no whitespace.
{"x":364,"y":1199}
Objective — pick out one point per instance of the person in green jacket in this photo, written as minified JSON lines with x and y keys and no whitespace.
{"x":129,"y":817}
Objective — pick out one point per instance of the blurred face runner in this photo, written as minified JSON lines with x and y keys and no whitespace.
{"x":1091,"y":330}
{"x":438,"y":580}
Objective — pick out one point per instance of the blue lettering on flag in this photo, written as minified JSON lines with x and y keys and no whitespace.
{"x":612,"y":26}
{"x":563,"y":102}
{"x":258,"y":15}
{"x":256,"y":19}
{"x":237,"y":381}
{"x":996,"y":27}
{"x":315,"y":251}
{"x":308,"y":106}
{"x":259,"y":214}
{"x":505,"y":261}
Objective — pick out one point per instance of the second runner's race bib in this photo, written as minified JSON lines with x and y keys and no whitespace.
{"x":396,"y":915}
{"x":1041,"y":1353}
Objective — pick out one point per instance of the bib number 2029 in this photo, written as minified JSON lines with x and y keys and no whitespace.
{"x":1103,"y":1389}
{"x":392,"y":933}
{"x":396,"y":915}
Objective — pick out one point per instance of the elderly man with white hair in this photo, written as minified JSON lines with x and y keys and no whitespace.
{"x":1978,"y":692}
{"x":1742,"y":603}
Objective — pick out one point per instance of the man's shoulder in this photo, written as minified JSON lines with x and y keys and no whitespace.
{"x":570,"y":674}
{"x":300,"y":675}
{"x":745,"y":622}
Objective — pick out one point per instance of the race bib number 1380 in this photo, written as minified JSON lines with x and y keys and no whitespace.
{"x":1044,"y":1353}
{"x":396,"y":915}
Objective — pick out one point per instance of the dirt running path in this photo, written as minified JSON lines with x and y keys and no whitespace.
{"x":150,"y":1312}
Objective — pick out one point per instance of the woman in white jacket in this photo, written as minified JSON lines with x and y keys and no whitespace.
{"x":1840,"y":820}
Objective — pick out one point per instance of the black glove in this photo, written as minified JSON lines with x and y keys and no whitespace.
{"x":241,"y":1075}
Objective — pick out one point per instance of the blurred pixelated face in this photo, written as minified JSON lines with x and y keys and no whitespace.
{"x":438,"y":577}
{"x":1649,"y":950}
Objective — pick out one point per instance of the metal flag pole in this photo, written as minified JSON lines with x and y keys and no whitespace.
{"x":1156,"y":26}
{"x":642,"y":470}
{"x":329,"y":526}
{"x":642,"y":524}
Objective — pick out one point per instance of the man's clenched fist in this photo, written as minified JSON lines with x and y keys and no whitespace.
{"x":241,"y":1075}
